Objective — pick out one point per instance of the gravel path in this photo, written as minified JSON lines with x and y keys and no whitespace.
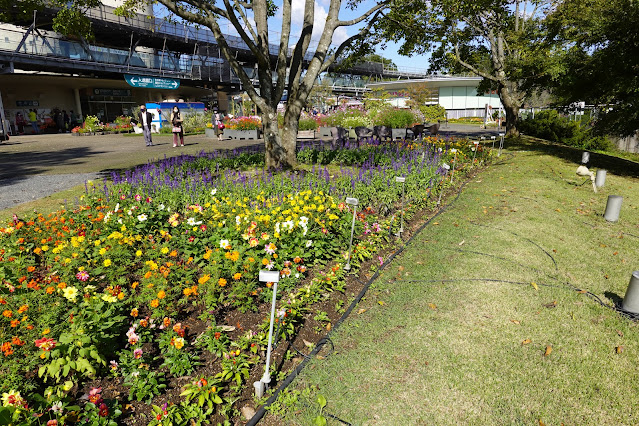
{"x":20,"y":190}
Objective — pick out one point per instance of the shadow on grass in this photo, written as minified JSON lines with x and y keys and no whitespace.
{"x":615,"y":165}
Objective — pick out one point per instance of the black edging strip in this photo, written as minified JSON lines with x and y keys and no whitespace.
{"x":287,"y":381}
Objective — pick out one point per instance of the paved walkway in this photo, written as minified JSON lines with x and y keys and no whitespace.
{"x":35,"y":166}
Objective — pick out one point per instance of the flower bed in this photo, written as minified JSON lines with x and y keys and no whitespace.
{"x":148,"y":293}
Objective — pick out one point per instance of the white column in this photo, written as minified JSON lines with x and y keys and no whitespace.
{"x":78,"y":105}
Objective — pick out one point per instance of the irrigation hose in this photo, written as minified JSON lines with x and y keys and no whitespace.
{"x":261,"y":411}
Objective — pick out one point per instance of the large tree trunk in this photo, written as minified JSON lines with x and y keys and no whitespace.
{"x":511,"y":106}
{"x":280,"y":144}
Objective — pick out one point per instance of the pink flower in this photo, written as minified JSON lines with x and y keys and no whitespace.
{"x":137,"y":354}
{"x":82,"y":275}
{"x":138,"y":197}
{"x":95,"y":391}
{"x":45,"y":344}
{"x":381,"y":260}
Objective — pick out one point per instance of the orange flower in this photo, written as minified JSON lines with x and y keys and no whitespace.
{"x":187,"y":291}
{"x":204,"y":278}
{"x":161,"y":294}
{"x":148,"y":274}
{"x":237,"y":276}
{"x":15,"y":323}
{"x":194,"y":290}
{"x":16,"y":341}
{"x":30,"y":268}
{"x":23,"y":308}
{"x":50,"y":290}
{"x":155,"y":303}
{"x":7,"y":313}
{"x":134,"y":312}
{"x":62,"y":285}
{"x":221,"y":282}
{"x":134,"y":285}
{"x":173,"y":253}
{"x":166,"y":321}
{"x":144,"y":323}
{"x":6,"y":348}
{"x":265,"y":261}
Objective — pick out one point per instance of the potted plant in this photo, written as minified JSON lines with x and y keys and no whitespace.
{"x":243,"y":128}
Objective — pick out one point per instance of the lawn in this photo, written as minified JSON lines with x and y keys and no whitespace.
{"x":487,"y":317}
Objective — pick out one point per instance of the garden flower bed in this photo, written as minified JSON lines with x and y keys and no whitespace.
{"x":143,"y":304}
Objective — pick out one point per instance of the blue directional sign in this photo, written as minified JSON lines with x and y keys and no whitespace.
{"x":152,"y":82}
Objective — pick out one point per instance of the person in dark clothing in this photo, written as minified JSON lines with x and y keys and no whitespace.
{"x":144,"y":121}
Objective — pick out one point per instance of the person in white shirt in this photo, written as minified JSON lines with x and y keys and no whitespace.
{"x":145,"y":118}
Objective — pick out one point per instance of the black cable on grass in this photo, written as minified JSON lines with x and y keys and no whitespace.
{"x":287,"y":381}
{"x":519,"y":236}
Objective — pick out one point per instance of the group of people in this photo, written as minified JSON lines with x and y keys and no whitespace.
{"x":145,"y":118}
{"x":62,"y":121}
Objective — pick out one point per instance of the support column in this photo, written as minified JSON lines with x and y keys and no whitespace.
{"x":78,"y":104}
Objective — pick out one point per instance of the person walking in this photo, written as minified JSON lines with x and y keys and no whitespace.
{"x":217,"y":124}
{"x":33,"y":118}
{"x":178,"y":130}
{"x":67,"y":120}
{"x":20,"y":122}
{"x":144,"y":119}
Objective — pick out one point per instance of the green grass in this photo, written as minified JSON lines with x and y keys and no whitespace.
{"x":446,"y":345}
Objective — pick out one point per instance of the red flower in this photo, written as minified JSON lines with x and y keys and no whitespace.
{"x":104,"y":410}
{"x":45,"y":344}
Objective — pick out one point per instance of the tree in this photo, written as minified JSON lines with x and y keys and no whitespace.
{"x":498,"y":40}
{"x":600,"y":66}
{"x":284,"y":70}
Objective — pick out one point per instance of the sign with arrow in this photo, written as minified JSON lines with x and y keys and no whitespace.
{"x":151,"y":82}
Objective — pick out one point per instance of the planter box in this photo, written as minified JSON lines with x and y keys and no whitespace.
{"x":398,"y":134}
{"x":306,"y":134}
{"x":210,"y":133}
{"x":324,"y":132}
{"x":241,"y":134}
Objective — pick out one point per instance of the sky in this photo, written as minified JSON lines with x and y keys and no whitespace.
{"x":341,"y":34}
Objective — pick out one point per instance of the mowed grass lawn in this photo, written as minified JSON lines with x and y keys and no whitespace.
{"x":444,"y":340}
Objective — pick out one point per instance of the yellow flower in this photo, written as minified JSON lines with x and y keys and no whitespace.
{"x":45,"y":248}
{"x":221,"y":282}
{"x":107,"y":262}
{"x":155,"y":303}
{"x":161,"y":294}
{"x":203,"y":279}
{"x":138,"y":253}
{"x":164,"y":250}
{"x":46,"y":331}
{"x":237,"y":276}
{"x":207,"y":254}
{"x":178,"y":342}
{"x":102,"y":251}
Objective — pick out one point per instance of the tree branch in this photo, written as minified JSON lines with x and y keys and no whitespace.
{"x":282,"y":53}
{"x":247,"y":23}
{"x":472,"y":68}
{"x":363,"y":17}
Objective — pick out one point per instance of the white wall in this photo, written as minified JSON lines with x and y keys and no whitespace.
{"x":465,"y":97}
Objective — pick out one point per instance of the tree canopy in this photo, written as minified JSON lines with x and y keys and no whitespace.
{"x":498,"y":40}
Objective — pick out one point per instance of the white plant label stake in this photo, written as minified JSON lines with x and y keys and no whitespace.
{"x":476,"y":143}
{"x":493,"y":139}
{"x":262,"y":385}
{"x":452,"y":172}
{"x":446,"y":167}
{"x":501,"y":143}
{"x":401,"y":179}
{"x":353,"y":202}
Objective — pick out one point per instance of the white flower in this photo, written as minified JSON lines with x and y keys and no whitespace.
{"x":142,"y":217}
{"x":107,"y":216}
{"x":224,"y":244}
{"x":89,"y":288}
{"x":161,"y":207}
{"x":117,"y":207}
{"x":130,"y":212}
{"x":213,"y":191}
{"x":270,"y":265}
{"x":192,"y":222}
{"x":70,"y":293}
{"x":120,"y":221}
{"x":238,"y":220}
{"x":309,"y":243}
{"x":303,"y":221}
{"x":57,"y":407}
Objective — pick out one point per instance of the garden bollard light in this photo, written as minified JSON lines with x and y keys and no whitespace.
{"x":353,"y":202}
{"x":446,"y":167}
{"x":631,"y":299}
{"x":401,"y":226}
{"x":493,"y":139}
{"x":262,"y":385}
{"x":501,"y":143}
{"x":452,"y":172}
{"x":613,"y":206}
{"x":600,"y":178}
{"x":585,"y":157}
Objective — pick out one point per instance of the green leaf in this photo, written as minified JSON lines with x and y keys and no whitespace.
{"x":6,"y":415}
{"x":319,"y":421}
{"x":321,"y":400}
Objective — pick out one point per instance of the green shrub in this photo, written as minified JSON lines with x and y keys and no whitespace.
{"x":307,"y":124}
{"x":395,"y":118}
{"x":433,"y":112}
{"x":553,"y":127}
{"x":355,"y":121}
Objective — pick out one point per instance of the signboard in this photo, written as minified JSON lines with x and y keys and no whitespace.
{"x":27,"y":103}
{"x":112,"y":92}
{"x":152,"y":82}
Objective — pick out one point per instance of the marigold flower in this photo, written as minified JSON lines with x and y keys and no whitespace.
{"x":7,"y":313}
{"x":134,"y":284}
{"x":134,"y":312}
{"x":187,"y":291}
{"x":237,"y":276}
{"x":16,"y":341}
{"x":144,"y":323}
{"x":265,"y":261}
{"x":155,"y":303}
{"x":50,"y":290}
{"x":30,"y":268}
{"x":173,"y":253}
{"x":203,"y":279}
{"x":221,"y":282}
{"x":15,"y":323}
{"x":161,"y":294}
